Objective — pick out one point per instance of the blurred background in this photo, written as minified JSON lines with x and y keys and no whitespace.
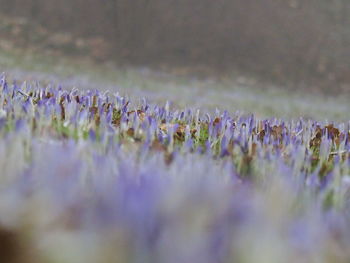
{"x":295,"y":44}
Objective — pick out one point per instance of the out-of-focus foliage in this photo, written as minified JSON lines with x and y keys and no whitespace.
{"x":294,"y":40}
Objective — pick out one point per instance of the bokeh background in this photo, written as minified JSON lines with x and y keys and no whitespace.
{"x":272,"y":58}
{"x":301,"y":43}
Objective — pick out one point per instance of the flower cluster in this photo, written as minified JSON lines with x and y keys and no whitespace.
{"x":88,"y":176}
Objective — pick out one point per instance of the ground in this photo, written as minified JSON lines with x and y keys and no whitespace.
{"x":234,"y":93}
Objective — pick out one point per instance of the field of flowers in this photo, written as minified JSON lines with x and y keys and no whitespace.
{"x":91,"y":176}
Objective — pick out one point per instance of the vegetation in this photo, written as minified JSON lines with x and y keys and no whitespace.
{"x":90,"y":176}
